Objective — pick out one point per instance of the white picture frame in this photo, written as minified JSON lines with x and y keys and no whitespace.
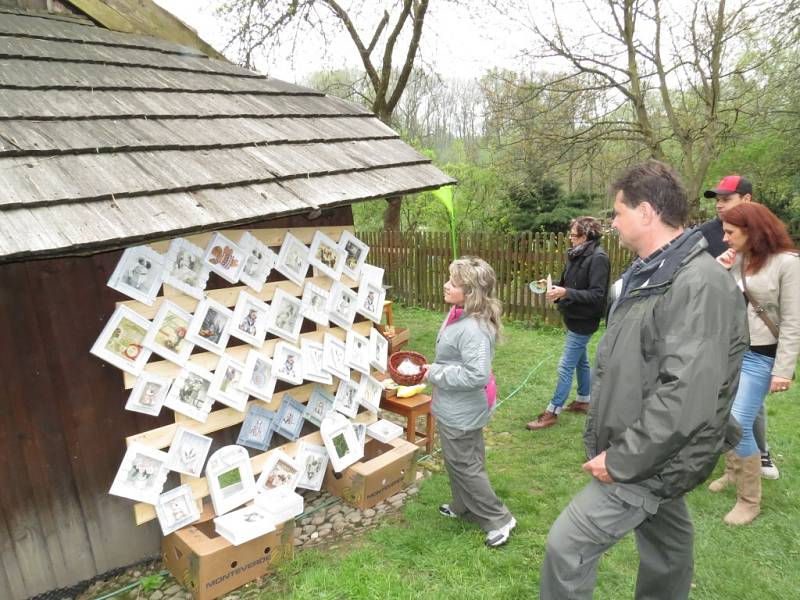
{"x":312,"y":352}
{"x":356,"y":354}
{"x":121,"y":343}
{"x":185,"y":269}
{"x":188,"y":394}
{"x":315,"y":304}
{"x":361,"y":433}
{"x":259,"y":262}
{"x":312,"y":459}
{"x":289,"y":421}
{"x":287,"y":363}
{"x":340,"y":441}
{"x":384,"y":430}
{"x":369,"y":393}
{"x":245,"y":524}
{"x":210,"y":326}
{"x":280,"y":471}
{"x":229,"y":475}
{"x":346,"y":399}
{"x":370,"y":300}
{"x":257,"y":379}
{"x":355,"y":254}
{"x":372,"y":274}
{"x":319,"y":404}
{"x":176,"y":508}
{"x":141,"y":475}
{"x":148,"y":394}
{"x":333,"y":356}
{"x":326,"y":256}
{"x":225,"y":385}
{"x":224,"y":257}
{"x":342,"y":305}
{"x":257,"y":428}
{"x":250,"y":320}
{"x":188,"y":452}
{"x":138,"y":274}
{"x":167,"y":334}
{"x":292,"y":260}
{"x":286,"y":316}
{"x":378,"y":350}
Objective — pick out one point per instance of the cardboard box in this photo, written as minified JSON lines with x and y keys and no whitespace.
{"x":385,"y":470}
{"x":400,"y":338}
{"x":208,"y":565}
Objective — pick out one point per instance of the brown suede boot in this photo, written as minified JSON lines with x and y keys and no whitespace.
{"x":733,"y":465}
{"x":748,"y":492}
{"x":548,"y":419}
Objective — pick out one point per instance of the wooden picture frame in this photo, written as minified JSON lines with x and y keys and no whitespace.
{"x":224,"y":257}
{"x":138,"y":274}
{"x":280,"y":471}
{"x":260,"y":260}
{"x":370,"y":300}
{"x":340,"y":441}
{"x":333,"y":357}
{"x":176,"y":508}
{"x":148,"y":394}
{"x":229,"y":475}
{"x":141,"y":475}
{"x":257,"y":428}
{"x":369,"y":393}
{"x":356,"y":253}
{"x":185,"y":269}
{"x":312,"y":362}
{"x":286,"y":316}
{"x":356,"y":354}
{"x":210,"y":326}
{"x":121,"y":343}
{"x":289,"y":420}
{"x":287,"y":363}
{"x":292,"y":260}
{"x":257,"y":379}
{"x":313,"y":462}
{"x":319,"y":404}
{"x":379,"y":351}
{"x":346,"y":399}
{"x":342,"y":305}
{"x":315,"y":304}
{"x":250,"y":320}
{"x":326,"y":256}
{"x":188,"y":451}
{"x":226,"y":383}
{"x":189,"y":393}
{"x":167,"y":334}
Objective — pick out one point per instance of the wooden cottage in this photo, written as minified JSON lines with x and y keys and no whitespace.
{"x":109,"y":140}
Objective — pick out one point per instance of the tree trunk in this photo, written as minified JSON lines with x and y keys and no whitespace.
{"x":391,"y":216}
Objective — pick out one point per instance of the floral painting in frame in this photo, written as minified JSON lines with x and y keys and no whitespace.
{"x":289,"y":421}
{"x":189,"y":393}
{"x":257,"y":378}
{"x":280,"y":471}
{"x":293,"y":259}
{"x":333,"y":353}
{"x":312,"y":362}
{"x":315,"y":304}
{"x":286,"y":317}
{"x":370,"y":300}
{"x":313,"y":461}
{"x":342,"y":305}
{"x":148,"y":394}
{"x":378,"y":350}
{"x":287,"y":363}
{"x":121,"y":343}
{"x":176,"y":508}
{"x":225,"y":385}
{"x":188,"y":451}
{"x":138,"y":274}
{"x":319,"y":404}
{"x":355,"y":254}
{"x":229,"y":474}
{"x":346,"y":399}
{"x":142,"y":474}
{"x":369,"y":393}
{"x":259,"y":262}
{"x":185,"y":269}
{"x":356,"y":354}
{"x":250,"y":320}
{"x":257,"y":428}
{"x":209,"y":327}
{"x":167,"y":335}
{"x":224,"y":257}
{"x":326,"y":256}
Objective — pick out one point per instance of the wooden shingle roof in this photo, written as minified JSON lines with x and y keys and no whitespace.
{"x":110,"y":139}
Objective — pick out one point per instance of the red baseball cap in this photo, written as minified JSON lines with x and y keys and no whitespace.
{"x":730,"y":184}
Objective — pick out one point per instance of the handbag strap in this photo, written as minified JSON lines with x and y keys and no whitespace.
{"x":760,"y":310}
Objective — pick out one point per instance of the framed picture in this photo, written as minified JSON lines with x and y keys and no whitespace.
{"x":256,"y":431}
{"x":312,"y":362}
{"x":167,"y":335}
{"x":188,"y":451}
{"x":259,"y":262}
{"x":326,"y":255}
{"x":121,"y":343}
{"x":280,"y":471}
{"x":230,"y":478}
{"x":286,"y":317}
{"x":369,"y":393}
{"x":319,"y":404}
{"x":333,"y":350}
{"x":148,"y":394}
{"x":226,"y":383}
{"x":176,"y":508}
{"x":315,"y":304}
{"x":189,"y":393}
{"x":378,"y":350}
{"x":241,"y":526}
{"x":372,"y":274}
{"x":209,"y":327}
{"x":141,"y":475}
{"x":361,"y":434}
{"x":185,"y":269}
{"x":224,"y":257}
{"x":287,"y":363}
{"x":356,"y":354}
{"x":384,"y":431}
{"x":356,"y":253}
{"x":340,"y":441}
{"x":346,"y":400}
{"x":289,"y":421}
{"x":250,"y":320}
{"x":138,"y":274}
{"x":293,"y":259}
{"x":257,"y":379}
{"x":370,"y":300}
{"x":312,"y":459}
{"x":342,"y":304}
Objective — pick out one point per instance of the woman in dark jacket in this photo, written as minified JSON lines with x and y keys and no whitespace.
{"x":581,"y":297}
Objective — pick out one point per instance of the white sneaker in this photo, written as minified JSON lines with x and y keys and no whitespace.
{"x":768,"y":468}
{"x":497,"y":537}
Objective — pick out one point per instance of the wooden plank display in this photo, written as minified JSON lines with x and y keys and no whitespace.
{"x":218,"y":420}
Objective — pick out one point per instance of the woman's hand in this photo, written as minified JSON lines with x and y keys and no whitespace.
{"x":556,"y":293}
{"x":779,"y":384}
{"x":425,"y":368}
{"x":726,"y":258}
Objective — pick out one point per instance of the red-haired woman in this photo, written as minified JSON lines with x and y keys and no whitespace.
{"x":765,"y":264}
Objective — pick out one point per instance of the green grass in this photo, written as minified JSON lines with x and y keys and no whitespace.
{"x":420,"y":554}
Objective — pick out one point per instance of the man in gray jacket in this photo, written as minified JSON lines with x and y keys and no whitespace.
{"x":666,"y":374}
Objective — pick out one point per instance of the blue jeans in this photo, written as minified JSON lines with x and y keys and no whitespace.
{"x":753,"y":388}
{"x":575,"y":359}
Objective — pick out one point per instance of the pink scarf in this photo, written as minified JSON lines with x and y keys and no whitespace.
{"x":491,"y":387}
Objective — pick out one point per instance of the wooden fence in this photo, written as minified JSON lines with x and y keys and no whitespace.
{"x":416,"y":266}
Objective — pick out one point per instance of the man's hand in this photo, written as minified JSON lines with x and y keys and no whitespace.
{"x":556,"y":293}
{"x":779,"y":384}
{"x":597,"y":468}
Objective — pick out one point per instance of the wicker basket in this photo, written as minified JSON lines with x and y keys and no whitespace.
{"x":397,"y":358}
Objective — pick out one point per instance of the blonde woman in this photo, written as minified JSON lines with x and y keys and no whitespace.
{"x":464,"y":395}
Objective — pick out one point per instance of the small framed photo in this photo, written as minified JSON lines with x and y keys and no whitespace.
{"x":176,"y":508}
{"x":259,"y":262}
{"x":167,"y":335}
{"x":333,"y":354}
{"x":229,"y":474}
{"x":226,"y":383}
{"x":189,"y":393}
{"x":142,"y":474}
{"x":250,"y":320}
{"x":287,"y":363}
{"x":121,"y":342}
{"x":138,"y":274}
{"x":148,"y":394}
{"x":289,"y":421}
{"x":369,"y":393}
{"x":280,"y":471}
{"x":315,"y":304}
{"x":342,"y":304}
{"x":293,"y":259}
{"x":378,"y":350}
{"x":356,"y":253}
{"x":312,"y":362}
{"x":340,"y":441}
{"x":209,"y":327}
{"x":224,"y":257}
{"x":286,"y":317}
{"x":356,"y":354}
{"x":319,"y":404}
{"x":185,"y":269}
{"x":326,"y":255}
{"x":370,"y":300}
{"x":346,"y":400}
{"x":257,"y":378}
{"x":313,"y":461}
{"x":257,"y":427}
{"x":372,"y":274}
{"x":188,"y":452}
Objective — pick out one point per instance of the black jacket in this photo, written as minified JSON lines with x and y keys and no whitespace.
{"x":585,"y":278}
{"x":712,"y":231}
